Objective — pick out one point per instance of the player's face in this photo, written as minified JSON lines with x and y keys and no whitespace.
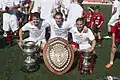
{"x":96,"y":11}
{"x":58,"y":19}
{"x":79,"y":25}
{"x":35,"y":20}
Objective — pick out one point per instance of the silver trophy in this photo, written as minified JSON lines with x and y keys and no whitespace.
{"x":86,"y":64}
{"x":29,"y":48}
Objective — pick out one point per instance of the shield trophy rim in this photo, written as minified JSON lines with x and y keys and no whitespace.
{"x":46,"y":61}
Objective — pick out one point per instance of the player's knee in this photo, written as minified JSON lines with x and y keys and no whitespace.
{"x":113,"y":50}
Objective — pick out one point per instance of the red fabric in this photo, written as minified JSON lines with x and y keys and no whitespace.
{"x":116,"y":30}
{"x":89,"y":19}
{"x":9,"y":37}
{"x":75,"y":45}
{"x":99,"y":41}
{"x":84,"y":14}
{"x":97,"y":19}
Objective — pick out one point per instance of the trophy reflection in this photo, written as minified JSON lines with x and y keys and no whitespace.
{"x":29,"y":48}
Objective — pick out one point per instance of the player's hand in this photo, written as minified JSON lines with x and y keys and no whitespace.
{"x":89,"y":49}
{"x":98,"y":26}
{"x":85,"y":29}
{"x":20,"y":42}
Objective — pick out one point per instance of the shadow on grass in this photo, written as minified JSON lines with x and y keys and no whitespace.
{"x":117,"y":55}
{"x":2,"y":43}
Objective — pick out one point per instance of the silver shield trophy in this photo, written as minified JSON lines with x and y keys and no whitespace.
{"x":29,"y":48}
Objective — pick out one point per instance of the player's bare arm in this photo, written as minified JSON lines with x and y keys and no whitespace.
{"x":20,"y":34}
{"x":93,"y":45}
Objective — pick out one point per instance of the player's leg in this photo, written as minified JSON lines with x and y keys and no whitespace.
{"x":6,"y":27}
{"x":112,"y":56}
{"x":111,"y":23}
{"x":99,"y":38}
{"x":95,"y":34}
{"x":14,"y":23}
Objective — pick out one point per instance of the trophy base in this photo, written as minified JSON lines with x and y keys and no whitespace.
{"x":30,"y":68}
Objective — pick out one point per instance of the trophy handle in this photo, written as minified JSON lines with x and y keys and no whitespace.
{"x":38,"y":45}
{"x":20,"y":43}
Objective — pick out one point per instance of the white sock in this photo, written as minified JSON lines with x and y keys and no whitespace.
{"x":111,"y":62}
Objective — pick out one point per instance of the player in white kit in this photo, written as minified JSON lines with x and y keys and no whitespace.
{"x":59,"y":27}
{"x":9,"y":9}
{"x":74,"y":11}
{"x":36,"y":28}
{"x":83,"y":43}
{"x":81,"y":38}
{"x":114,"y":17}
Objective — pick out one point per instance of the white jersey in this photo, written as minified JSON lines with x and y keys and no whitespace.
{"x":36,"y":6}
{"x":82,"y":38}
{"x":116,"y":4}
{"x":47,"y":7}
{"x":67,"y":3}
{"x":75,"y":11}
{"x":114,"y":17}
{"x":35,"y":33}
{"x":8,"y":3}
{"x":59,"y":32}
{"x":10,"y":17}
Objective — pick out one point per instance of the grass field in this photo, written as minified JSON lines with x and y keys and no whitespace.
{"x":11,"y":61}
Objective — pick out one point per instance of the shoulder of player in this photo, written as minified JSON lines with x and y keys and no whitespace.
{"x":89,"y":30}
{"x":48,"y":21}
{"x":28,"y":24}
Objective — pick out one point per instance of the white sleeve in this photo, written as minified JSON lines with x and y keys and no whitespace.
{"x":0,"y":4}
{"x":26,"y":27}
{"x":90,"y":35}
{"x":115,"y":3}
{"x":81,"y":12}
{"x":72,"y":30}
{"x":16,"y":2}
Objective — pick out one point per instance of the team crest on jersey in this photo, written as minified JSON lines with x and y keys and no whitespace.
{"x":98,"y":17}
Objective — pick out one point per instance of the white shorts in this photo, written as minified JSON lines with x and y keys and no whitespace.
{"x":10,"y":22}
{"x":113,"y":20}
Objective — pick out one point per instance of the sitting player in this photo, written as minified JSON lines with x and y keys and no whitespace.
{"x":82,"y":39}
{"x":36,"y":28}
{"x":115,"y":42}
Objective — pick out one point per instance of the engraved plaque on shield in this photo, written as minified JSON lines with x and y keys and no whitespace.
{"x":58,"y":55}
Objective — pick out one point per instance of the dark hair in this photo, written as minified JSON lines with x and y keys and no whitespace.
{"x":59,"y":13}
{"x":80,"y":19}
{"x":35,"y":14}
{"x":119,"y":16}
{"x":97,"y":7}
